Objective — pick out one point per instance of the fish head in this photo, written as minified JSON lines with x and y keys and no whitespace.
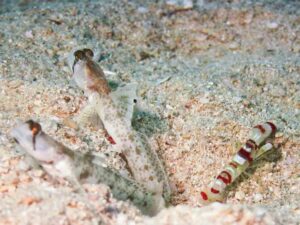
{"x":87,"y":74}
{"x":35,"y":142}
{"x":81,"y":57}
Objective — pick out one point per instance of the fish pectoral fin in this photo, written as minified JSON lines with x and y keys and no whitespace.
{"x":32,"y":162}
{"x":125,"y":99}
{"x":89,"y":116}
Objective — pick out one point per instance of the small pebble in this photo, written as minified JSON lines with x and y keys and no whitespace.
{"x":248,"y":17}
{"x":142,"y":10}
{"x":201,"y":37}
{"x":258,"y":197}
{"x":234,"y":45}
{"x":237,"y":99}
{"x":38,"y":173}
{"x":29,"y":200}
{"x":184,"y":4}
{"x":272,"y":25}
{"x":4,"y":189}
{"x":23,"y":166}
{"x":29,"y":34}
{"x":277,"y":91}
{"x":204,"y":100}
{"x":239,"y":195}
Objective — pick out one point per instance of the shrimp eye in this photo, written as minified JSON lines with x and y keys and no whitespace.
{"x":79,"y":55}
{"x":34,"y":127}
{"x":88,"y":52}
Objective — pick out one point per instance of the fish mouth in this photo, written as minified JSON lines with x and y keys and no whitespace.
{"x":15,"y":134}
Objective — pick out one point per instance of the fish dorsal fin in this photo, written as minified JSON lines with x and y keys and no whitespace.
{"x":125,"y":99}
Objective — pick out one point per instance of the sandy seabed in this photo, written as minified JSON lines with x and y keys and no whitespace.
{"x":206,"y":75}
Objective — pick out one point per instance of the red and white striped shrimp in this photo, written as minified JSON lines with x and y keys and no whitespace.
{"x":256,"y":145}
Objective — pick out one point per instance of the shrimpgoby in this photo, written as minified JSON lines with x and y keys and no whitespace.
{"x":78,"y":168}
{"x":115,"y":109}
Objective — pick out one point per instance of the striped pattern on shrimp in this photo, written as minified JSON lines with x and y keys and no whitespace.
{"x":258,"y":144}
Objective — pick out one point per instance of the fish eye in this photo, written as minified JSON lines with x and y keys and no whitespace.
{"x":88,"y":52}
{"x":30,"y":122}
{"x":34,"y":127}
{"x":35,"y":130}
{"x":79,"y":54}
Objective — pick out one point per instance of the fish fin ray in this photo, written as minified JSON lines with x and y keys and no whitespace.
{"x":125,"y":98}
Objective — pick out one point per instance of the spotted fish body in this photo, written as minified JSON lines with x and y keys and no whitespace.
{"x":255,"y":146}
{"x":143,"y":162}
{"x":77,"y":168}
